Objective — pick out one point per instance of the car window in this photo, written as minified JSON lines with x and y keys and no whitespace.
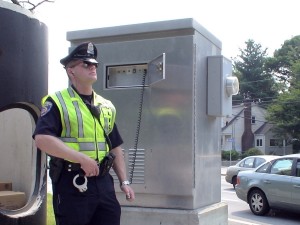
{"x":282,"y":167}
{"x":258,"y":162}
{"x":298,"y":168}
{"x":264,"y":168}
{"x":248,"y":163}
{"x":241,"y":163}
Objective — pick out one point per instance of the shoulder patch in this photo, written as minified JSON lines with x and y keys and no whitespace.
{"x":46,"y":108}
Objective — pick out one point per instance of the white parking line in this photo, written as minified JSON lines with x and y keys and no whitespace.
{"x":229,"y":200}
{"x":230,"y":192}
{"x":242,"y":222}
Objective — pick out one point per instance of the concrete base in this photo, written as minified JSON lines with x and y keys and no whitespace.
{"x":216,"y":214}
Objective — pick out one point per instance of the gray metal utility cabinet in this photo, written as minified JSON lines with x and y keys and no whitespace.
{"x":176,"y":70}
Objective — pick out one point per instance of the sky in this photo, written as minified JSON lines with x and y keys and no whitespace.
{"x":233,"y":22}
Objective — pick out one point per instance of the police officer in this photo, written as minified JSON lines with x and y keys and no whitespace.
{"x":77,"y":129}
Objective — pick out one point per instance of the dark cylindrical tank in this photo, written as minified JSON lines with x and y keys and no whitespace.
{"x":23,"y":56}
{"x":23,"y":82}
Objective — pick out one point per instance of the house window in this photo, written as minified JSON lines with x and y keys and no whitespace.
{"x":252,"y":119}
{"x":228,"y":138}
{"x":275,"y":142}
{"x":259,"y":142}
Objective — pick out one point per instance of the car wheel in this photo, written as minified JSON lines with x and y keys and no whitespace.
{"x":234,"y":180}
{"x":258,"y":203}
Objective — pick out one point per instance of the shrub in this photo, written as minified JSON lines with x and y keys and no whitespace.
{"x":226,"y":155}
{"x":252,"y":151}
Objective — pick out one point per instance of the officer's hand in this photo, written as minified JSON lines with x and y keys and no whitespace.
{"x":89,"y":166}
{"x":130,"y":196}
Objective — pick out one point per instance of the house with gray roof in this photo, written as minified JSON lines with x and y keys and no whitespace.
{"x":247,"y":127}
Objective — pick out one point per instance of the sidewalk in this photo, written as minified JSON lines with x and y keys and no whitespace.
{"x":223,"y":170}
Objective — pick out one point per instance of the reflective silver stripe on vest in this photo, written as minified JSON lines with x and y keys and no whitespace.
{"x":113,"y":110}
{"x":78,"y":113}
{"x":85,"y":146}
{"x":71,"y":92}
{"x":65,"y":113}
{"x":90,"y":146}
{"x":69,"y":140}
{"x":102,"y":146}
{"x":106,"y":125}
{"x":79,"y":119}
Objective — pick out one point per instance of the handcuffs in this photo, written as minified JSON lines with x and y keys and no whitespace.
{"x":80,"y":187}
{"x":105,"y":166}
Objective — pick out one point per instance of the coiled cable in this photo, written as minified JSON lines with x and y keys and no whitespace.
{"x":139,"y":121}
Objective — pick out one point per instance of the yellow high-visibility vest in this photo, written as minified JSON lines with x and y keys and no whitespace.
{"x":81,"y":131}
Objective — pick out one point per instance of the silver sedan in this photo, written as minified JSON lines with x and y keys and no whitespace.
{"x":273,"y":185}
{"x":248,"y":163}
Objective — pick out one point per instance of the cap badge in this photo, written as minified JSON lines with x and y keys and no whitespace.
{"x":90,"y":49}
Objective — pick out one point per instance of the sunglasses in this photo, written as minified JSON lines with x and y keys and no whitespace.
{"x":85,"y":64}
{"x":89,"y":64}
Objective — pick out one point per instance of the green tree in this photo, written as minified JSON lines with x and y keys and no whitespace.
{"x":284,"y":112}
{"x":296,"y":70}
{"x":285,"y":64}
{"x":255,"y":82}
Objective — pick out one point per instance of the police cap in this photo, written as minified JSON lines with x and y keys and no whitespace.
{"x":86,"y":52}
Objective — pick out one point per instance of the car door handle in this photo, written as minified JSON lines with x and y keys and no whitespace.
{"x":267,"y":182}
{"x":296,"y":186}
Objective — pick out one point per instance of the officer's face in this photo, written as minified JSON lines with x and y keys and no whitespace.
{"x":83,"y":72}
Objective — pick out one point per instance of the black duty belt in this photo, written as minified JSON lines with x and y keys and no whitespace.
{"x":104,"y":166}
{"x":69,"y":166}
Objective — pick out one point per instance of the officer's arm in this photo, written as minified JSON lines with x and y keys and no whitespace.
{"x":120,"y":169}
{"x":55,"y":147}
{"x":119,"y":164}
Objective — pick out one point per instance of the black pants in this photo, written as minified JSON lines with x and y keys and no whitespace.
{"x":96,"y":206}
